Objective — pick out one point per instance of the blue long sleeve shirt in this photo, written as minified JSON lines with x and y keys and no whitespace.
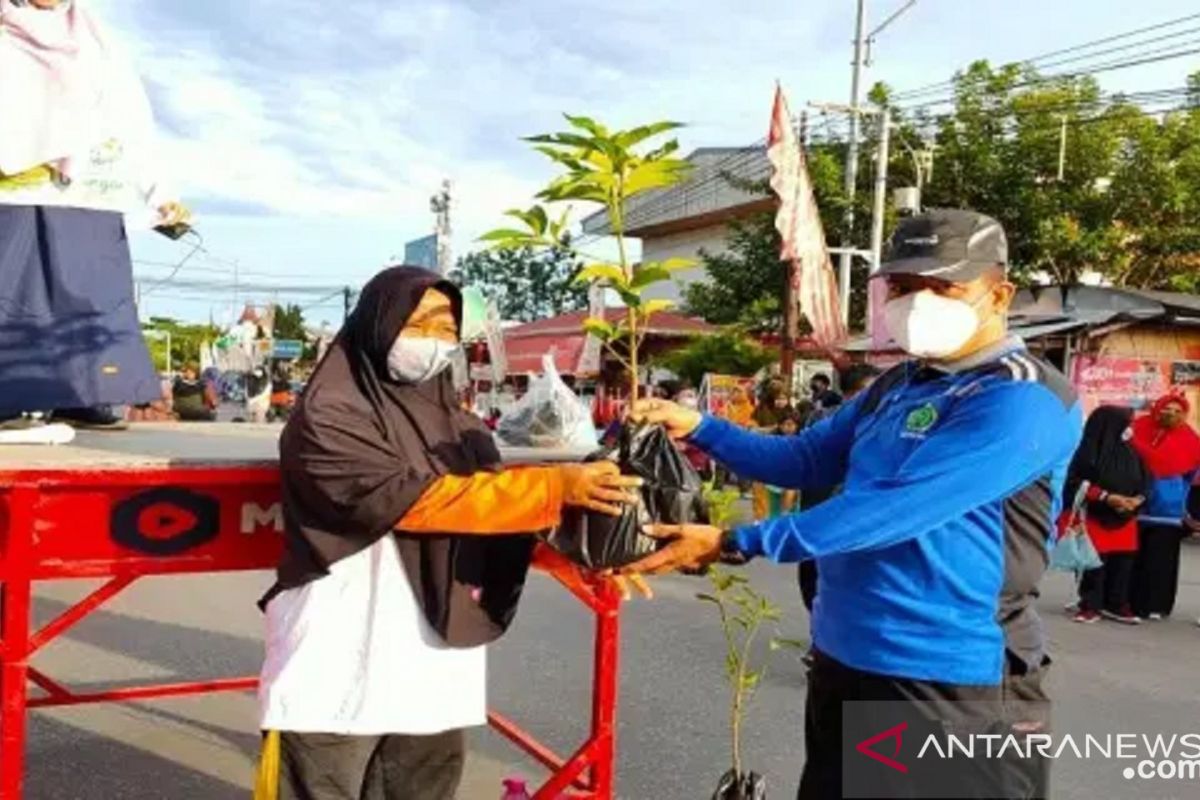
{"x":950,"y":485}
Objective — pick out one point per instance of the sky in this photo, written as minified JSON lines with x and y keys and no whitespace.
{"x":309,"y":135}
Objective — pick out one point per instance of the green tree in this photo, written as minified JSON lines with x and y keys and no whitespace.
{"x":289,"y":323}
{"x":1127,"y":204}
{"x":745,"y":284}
{"x":526,"y":284}
{"x":726,"y":353}
{"x":185,"y":340}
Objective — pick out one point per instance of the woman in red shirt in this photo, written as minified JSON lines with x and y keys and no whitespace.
{"x":1117,"y":484}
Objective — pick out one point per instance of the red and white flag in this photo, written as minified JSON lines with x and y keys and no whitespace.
{"x":799,"y":223}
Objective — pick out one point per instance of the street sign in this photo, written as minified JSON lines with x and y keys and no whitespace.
{"x":287,"y":348}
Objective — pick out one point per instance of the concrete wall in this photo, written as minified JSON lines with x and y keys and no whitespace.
{"x":686,"y":244}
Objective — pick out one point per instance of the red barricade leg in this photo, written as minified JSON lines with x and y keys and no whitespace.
{"x":604,"y":699}
{"x":15,"y":625}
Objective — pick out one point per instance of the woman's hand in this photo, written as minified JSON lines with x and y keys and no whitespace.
{"x":598,"y":487}
{"x":171,"y":214}
{"x":679,"y":421}
{"x":1124,"y":504}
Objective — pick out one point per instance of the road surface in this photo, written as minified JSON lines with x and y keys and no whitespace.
{"x":673,"y":741}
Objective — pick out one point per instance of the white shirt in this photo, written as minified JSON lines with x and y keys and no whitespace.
{"x":352,"y":654}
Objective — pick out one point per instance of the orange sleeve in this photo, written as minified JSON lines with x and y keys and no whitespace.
{"x":518,"y":500}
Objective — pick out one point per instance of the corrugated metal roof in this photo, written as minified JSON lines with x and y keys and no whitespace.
{"x":664,"y":323}
{"x":705,"y":192}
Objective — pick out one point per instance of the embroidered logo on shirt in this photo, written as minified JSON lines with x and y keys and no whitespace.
{"x":921,"y":419}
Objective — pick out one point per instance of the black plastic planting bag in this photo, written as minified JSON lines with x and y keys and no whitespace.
{"x":741,"y":786}
{"x":672,"y":493}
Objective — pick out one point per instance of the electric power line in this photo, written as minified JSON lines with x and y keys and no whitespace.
{"x":1035,"y":60}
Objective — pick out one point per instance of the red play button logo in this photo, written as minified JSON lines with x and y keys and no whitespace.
{"x":896,"y":733}
{"x":164,"y":521}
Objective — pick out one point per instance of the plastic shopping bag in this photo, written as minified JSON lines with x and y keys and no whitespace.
{"x":548,"y":416}
{"x":672,"y":493}
{"x":1074,"y":551}
{"x":743,"y":786}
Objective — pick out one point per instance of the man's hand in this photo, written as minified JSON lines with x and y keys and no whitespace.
{"x":598,"y":487}
{"x":1192,"y":525}
{"x":690,"y":547}
{"x":678,"y":421}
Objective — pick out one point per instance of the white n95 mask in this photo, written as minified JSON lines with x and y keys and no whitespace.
{"x":928,"y":325}
{"x":418,"y":359}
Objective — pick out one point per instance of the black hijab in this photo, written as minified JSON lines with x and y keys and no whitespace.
{"x":361,"y":448}
{"x":1106,"y":459}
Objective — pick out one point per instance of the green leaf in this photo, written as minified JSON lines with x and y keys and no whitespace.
{"x":632,"y":298}
{"x":674,"y":264}
{"x":795,"y":644}
{"x":750,"y":680}
{"x":501,"y":234}
{"x":654,"y":306}
{"x":640,"y":134}
{"x":655,"y":175}
{"x":588,"y":124}
{"x":563,"y":140}
{"x":599,"y":328}
{"x":708,"y":598}
{"x":648,"y":274}
{"x":605,"y":272}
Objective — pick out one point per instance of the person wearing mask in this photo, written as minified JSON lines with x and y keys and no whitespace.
{"x":1170,"y":449}
{"x":1114,"y":484}
{"x":772,"y":409}
{"x":820,"y":389}
{"x":193,"y":399}
{"x":739,"y":410}
{"x":951,"y":466}
{"x":406,"y":549}
{"x":855,"y":379}
{"x":780,"y":500}
{"x":77,"y":154}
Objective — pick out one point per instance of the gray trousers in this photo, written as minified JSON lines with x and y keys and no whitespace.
{"x":320,"y":766}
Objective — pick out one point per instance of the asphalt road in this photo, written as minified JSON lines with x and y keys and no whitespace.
{"x":673,"y":718}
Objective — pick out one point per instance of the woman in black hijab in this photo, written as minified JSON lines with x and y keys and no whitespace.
{"x":1117,"y":485}
{"x":407,"y":549}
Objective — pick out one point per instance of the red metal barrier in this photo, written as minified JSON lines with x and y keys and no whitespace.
{"x":124,"y":524}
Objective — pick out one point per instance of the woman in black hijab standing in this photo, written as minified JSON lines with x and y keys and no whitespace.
{"x":407,"y":549}
{"x":1118,"y":483}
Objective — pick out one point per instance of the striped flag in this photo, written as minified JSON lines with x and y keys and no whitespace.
{"x":799,"y":223}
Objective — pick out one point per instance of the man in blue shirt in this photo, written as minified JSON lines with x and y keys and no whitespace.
{"x":951,"y":467}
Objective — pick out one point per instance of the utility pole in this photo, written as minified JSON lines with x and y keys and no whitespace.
{"x":1062,"y":150}
{"x":862,"y":47}
{"x":851,"y":173}
{"x":881,"y":177}
{"x":439,"y":204}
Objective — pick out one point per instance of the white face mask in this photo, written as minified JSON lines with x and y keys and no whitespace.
{"x":928,"y":325}
{"x":418,"y":359}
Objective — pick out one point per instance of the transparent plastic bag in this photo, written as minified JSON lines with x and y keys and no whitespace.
{"x":550,"y":415}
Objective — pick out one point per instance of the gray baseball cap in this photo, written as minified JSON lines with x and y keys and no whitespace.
{"x":946,"y":243}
